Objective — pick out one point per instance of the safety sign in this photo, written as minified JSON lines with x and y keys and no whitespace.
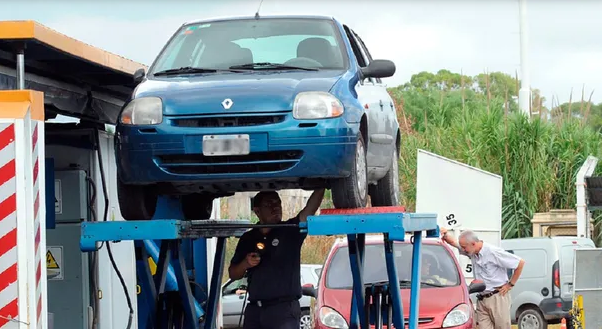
{"x":54,"y":263}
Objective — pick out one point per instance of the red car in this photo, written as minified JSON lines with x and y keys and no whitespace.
{"x":444,"y":295}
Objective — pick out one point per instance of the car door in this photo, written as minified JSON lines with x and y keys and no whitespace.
{"x":369,"y":97}
{"x":388,"y":113}
{"x":232,"y":303}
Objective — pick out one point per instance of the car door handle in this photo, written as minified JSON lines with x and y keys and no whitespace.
{"x":382,"y":105}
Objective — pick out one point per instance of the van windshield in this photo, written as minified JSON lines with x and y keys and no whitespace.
{"x":438,"y":266}
{"x":306,"y":43}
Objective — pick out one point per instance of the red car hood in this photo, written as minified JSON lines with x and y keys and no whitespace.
{"x":435,"y":303}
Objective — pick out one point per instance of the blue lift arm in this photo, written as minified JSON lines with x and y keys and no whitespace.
{"x":372,"y":303}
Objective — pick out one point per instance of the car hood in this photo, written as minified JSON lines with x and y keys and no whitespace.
{"x":250,"y":92}
{"x":433,"y":308}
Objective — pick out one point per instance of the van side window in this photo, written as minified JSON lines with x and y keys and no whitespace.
{"x":510,"y":271}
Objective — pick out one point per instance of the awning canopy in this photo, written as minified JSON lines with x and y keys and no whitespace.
{"x":77,"y":79}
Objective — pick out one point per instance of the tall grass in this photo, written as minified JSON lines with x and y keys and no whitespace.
{"x":537,"y":158}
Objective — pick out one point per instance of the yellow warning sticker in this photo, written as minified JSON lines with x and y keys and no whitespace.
{"x":54,"y":263}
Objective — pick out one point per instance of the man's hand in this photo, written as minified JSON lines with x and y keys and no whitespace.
{"x":312,"y":206}
{"x":252,"y":260}
{"x":504,"y":289}
{"x":443,"y":231}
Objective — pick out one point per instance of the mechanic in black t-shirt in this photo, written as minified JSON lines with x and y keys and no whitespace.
{"x":271,"y":258}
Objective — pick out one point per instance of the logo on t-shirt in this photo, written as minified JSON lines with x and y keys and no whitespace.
{"x":275,"y":242}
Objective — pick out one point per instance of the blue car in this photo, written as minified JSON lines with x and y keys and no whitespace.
{"x":258,"y":103}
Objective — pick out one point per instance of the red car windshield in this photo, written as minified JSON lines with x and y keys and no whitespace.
{"x":438,"y":266}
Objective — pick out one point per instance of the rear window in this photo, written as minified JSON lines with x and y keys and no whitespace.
{"x":567,"y":257}
{"x":438,"y":266}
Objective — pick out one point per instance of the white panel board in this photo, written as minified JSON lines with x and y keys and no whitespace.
{"x":463,"y":197}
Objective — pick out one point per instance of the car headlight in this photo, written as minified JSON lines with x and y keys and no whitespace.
{"x":332,"y":319}
{"x":316,"y":105}
{"x":143,"y":111}
{"x":458,"y":316}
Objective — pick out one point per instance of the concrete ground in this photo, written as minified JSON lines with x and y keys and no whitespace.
{"x":555,"y":326}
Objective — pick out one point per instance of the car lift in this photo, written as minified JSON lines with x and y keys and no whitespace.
{"x":169,"y":301}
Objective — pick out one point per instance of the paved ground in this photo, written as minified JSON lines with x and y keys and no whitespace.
{"x":555,"y":326}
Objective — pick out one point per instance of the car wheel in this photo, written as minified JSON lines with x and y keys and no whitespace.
{"x":136,"y":202}
{"x":196,"y":206}
{"x":305,"y":320}
{"x":387,"y":191}
{"x":352,"y":191}
{"x":531,"y":319}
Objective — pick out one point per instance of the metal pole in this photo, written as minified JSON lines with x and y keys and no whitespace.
{"x":20,"y":69}
{"x":524,"y":95}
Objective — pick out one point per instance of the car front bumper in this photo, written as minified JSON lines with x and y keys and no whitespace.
{"x":286,"y":150}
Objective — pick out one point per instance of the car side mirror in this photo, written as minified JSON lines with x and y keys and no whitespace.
{"x":309,"y":290}
{"x":379,"y":68}
{"x":474,"y":288}
{"x":139,"y":75}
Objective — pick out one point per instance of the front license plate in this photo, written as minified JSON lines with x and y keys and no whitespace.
{"x":215,"y":145}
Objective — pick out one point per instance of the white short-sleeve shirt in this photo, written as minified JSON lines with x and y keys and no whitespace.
{"x":491,"y":265}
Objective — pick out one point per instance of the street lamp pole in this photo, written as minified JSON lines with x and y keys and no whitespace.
{"x":524,"y":94}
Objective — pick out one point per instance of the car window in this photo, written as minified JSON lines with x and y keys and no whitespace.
{"x":438,"y":266}
{"x":311,"y":43}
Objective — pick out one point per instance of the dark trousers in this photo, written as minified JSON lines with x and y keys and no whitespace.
{"x":285,"y":315}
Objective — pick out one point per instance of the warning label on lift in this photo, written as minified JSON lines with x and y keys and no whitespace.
{"x":58,"y":197}
{"x":54,"y":263}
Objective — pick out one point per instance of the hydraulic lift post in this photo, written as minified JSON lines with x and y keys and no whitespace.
{"x":372,"y":303}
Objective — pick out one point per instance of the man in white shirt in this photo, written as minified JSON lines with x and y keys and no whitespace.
{"x":490,"y":265}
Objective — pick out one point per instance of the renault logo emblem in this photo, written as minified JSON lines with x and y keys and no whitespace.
{"x":227,"y":103}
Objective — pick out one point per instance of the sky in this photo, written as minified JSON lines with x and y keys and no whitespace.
{"x":469,"y":36}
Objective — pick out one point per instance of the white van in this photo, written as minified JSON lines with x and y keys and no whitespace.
{"x":543,"y":294}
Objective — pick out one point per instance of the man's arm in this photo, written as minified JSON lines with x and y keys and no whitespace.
{"x":451,"y":240}
{"x":238,"y":264}
{"x":509,"y":261}
{"x":313,"y":204}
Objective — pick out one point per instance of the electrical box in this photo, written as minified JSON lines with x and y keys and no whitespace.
{"x":67,"y":267}
{"x":71,"y":197}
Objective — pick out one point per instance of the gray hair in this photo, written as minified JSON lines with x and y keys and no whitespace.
{"x":469,"y":236}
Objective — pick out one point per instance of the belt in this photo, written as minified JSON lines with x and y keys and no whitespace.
{"x":487,"y":294}
{"x":271,"y":302}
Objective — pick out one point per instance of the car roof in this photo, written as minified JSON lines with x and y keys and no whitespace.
{"x":233,"y":18}
{"x":378,"y":239}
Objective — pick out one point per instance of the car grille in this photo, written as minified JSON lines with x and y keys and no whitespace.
{"x":228,"y":121}
{"x":198,"y":164}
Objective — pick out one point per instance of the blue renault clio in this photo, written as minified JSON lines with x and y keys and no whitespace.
{"x":258,"y":103}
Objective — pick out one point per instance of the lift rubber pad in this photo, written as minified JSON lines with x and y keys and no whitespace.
{"x":367,"y":210}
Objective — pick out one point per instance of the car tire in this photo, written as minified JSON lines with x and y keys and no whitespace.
{"x":531,"y":319}
{"x":196,"y":206}
{"x":387,"y":192}
{"x":136,"y":202}
{"x":352,"y":191}
{"x":305,"y":319}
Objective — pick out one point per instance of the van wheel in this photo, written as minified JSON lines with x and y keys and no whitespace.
{"x":136,"y":202}
{"x":531,"y":319}
{"x":352,"y":191}
{"x":386,"y":192}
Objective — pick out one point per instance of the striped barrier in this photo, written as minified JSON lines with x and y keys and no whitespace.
{"x":22,"y":232}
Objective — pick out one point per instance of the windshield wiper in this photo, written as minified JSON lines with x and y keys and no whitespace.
{"x":268,"y":65}
{"x":190,"y":70}
{"x":408,"y":282}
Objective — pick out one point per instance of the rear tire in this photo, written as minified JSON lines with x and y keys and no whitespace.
{"x":136,"y":202}
{"x":387,"y":191}
{"x":531,"y":319}
{"x":305,"y":319}
{"x":352,"y":191}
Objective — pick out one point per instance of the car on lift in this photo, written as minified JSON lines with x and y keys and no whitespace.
{"x":258,"y":103}
{"x":444,"y":295}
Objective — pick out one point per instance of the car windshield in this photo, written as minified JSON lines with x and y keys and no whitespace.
{"x":438,"y":266}
{"x":242,"y":44}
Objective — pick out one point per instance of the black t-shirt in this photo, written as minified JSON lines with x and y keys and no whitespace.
{"x":278,"y":274}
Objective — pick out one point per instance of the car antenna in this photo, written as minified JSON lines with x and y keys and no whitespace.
{"x":257,"y":13}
